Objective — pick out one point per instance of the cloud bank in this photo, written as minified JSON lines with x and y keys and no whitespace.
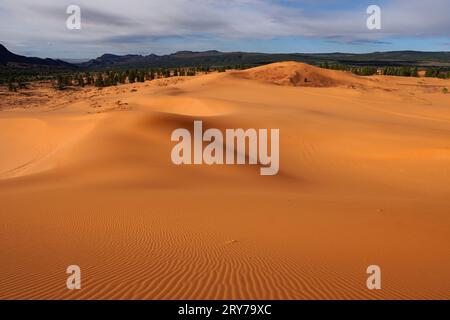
{"x":165,"y":25}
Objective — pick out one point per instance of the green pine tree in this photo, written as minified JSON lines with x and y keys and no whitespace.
{"x":131,"y":77}
{"x":99,"y":81}
{"x":11,"y":86}
{"x":60,"y":83}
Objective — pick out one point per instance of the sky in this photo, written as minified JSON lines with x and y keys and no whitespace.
{"x":38,"y":28}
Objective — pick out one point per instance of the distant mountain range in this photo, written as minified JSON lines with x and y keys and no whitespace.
{"x":217,"y":58}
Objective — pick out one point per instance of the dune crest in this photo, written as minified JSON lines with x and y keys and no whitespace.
{"x":300,"y":75}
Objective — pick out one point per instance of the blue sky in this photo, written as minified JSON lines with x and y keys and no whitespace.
{"x":38,"y":28}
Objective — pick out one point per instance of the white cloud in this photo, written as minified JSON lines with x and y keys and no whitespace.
{"x":115,"y":24}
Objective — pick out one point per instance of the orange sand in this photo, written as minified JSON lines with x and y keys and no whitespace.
{"x":86,"y":178}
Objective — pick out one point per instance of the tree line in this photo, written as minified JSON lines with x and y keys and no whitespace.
{"x":437,"y":73}
{"x":389,"y":71}
{"x":100,"y":79}
{"x":362,"y":71}
{"x":109,"y":78}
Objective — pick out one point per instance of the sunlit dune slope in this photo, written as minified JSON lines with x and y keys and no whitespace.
{"x":86,"y":178}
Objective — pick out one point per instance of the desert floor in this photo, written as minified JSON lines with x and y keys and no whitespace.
{"x":86,"y":178}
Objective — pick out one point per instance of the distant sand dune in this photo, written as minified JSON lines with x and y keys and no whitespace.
{"x":301,"y":74}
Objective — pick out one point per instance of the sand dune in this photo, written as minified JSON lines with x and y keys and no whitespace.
{"x":86,"y":178}
{"x":301,"y":74}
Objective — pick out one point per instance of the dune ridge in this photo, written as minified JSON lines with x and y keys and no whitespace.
{"x":301,"y":74}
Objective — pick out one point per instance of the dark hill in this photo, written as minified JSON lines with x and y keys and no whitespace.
{"x":11,"y":60}
{"x":216,"y":58}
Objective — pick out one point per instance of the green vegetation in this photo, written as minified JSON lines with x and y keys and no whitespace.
{"x":60,"y":82}
{"x":16,"y":79}
{"x":114,"y":77}
{"x":444,"y":90}
{"x":401,"y":71}
{"x":362,"y":71}
{"x":437,"y":73}
{"x":14,"y":84}
{"x":109,"y":78}
{"x":404,"y":71}
{"x":11,"y":86}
